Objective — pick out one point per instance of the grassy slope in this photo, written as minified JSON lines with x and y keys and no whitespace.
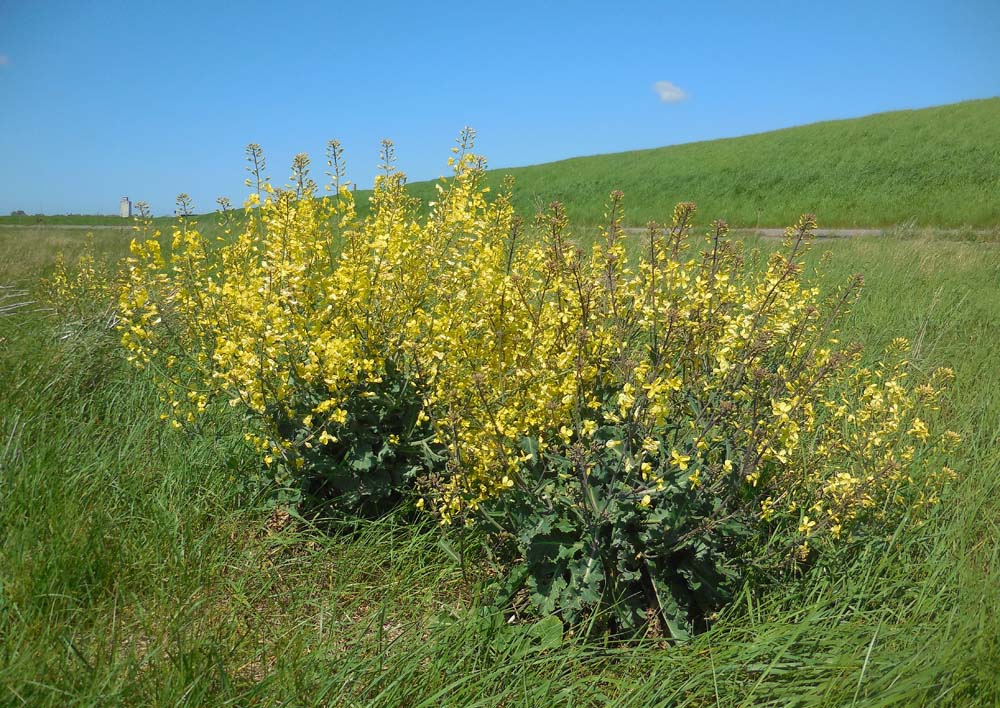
{"x":939,"y":166}
{"x":133,"y":570}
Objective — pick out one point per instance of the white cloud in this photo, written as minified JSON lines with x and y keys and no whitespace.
{"x":4,"y":60}
{"x":669,"y":92}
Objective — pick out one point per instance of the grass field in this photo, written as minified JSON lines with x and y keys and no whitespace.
{"x":136,"y":569}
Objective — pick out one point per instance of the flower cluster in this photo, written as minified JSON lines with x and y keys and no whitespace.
{"x":83,"y":293}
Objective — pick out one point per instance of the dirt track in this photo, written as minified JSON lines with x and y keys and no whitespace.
{"x":780,"y":232}
{"x":837,"y":233}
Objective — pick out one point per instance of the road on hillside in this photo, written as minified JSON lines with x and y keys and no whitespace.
{"x":819,"y":233}
{"x":853,"y":232}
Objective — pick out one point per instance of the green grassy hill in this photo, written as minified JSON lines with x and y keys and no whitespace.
{"x":935,"y":166}
{"x":932,"y":167}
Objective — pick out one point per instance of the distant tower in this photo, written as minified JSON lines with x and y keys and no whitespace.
{"x":125,"y":208}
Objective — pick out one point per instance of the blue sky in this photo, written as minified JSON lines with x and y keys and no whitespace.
{"x":103,"y":99}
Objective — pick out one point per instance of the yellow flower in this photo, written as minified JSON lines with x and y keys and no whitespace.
{"x":325,"y":438}
{"x":678,"y":460}
{"x":918,"y":429}
{"x":951,"y":439}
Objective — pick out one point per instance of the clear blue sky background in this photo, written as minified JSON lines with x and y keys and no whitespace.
{"x":103,"y":99}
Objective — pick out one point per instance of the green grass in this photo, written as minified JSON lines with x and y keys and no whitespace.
{"x":136,"y":570}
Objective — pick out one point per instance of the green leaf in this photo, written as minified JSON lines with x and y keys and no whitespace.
{"x":445,"y":545}
{"x":548,"y":632}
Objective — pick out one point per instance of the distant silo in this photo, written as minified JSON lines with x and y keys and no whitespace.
{"x":125,"y":208}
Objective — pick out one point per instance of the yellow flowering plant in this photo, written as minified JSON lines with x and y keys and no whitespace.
{"x":83,"y":294}
{"x":643,"y":424}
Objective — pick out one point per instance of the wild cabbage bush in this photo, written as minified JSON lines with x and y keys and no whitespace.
{"x":82,"y":294}
{"x":297,"y":317}
{"x":646,"y":431}
{"x":642,"y":424}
